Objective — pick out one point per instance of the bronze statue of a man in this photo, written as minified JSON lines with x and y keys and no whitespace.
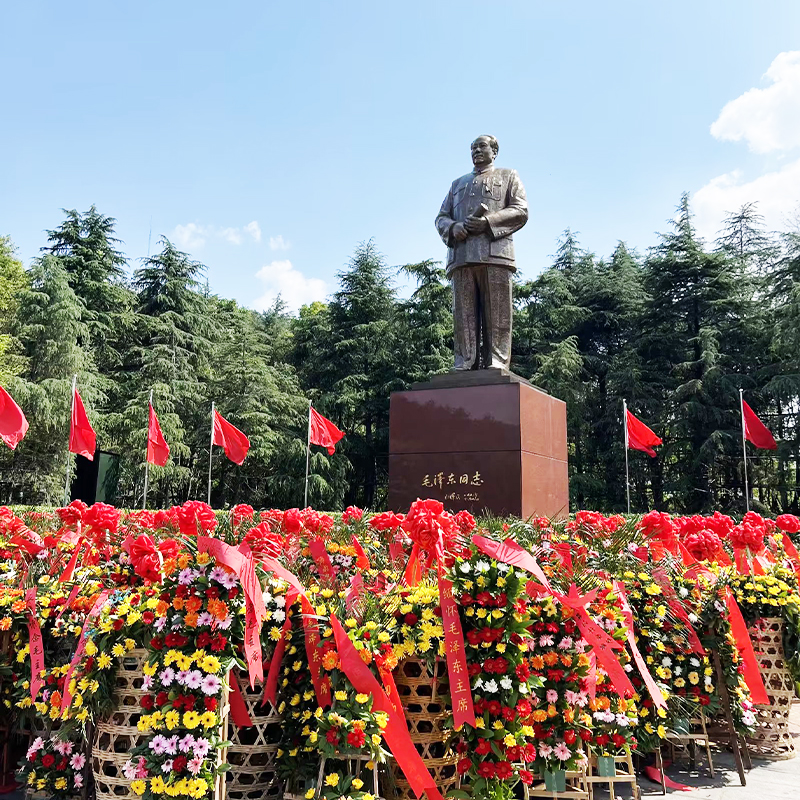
{"x":481,"y":211}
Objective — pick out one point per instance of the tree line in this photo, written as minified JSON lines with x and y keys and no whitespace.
{"x":676,"y":331}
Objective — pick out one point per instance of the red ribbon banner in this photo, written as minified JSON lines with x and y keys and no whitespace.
{"x":271,"y":687}
{"x":69,"y":601}
{"x":323,"y":561}
{"x":662,"y":579}
{"x":362,"y":562}
{"x":322,"y":686}
{"x":649,"y":682}
{"x":396,"y":731}
{"x":602,"y":644}
{"x":511,"y":553}
{"x":243,"y":565}
{"x":752,"y":674}
{"x":66,"y":695}
{"x":36,"y":644}
{"x":239,"y":713}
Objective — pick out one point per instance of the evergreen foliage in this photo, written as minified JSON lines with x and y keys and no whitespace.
{"x":677,"y":331}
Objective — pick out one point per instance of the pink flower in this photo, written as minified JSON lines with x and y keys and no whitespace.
{"x":562,"y":752}
{"x":77,"y":761}
{"x":552,"y":696}
{"x":78,"y":780}
{"x":194,"y":765}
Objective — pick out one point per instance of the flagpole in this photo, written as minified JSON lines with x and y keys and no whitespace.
{"x":744,"y":451}
{"x":210,"y":452}
{"x":627,"y":475}
{"x":146,"y":450}
{"x":71,"y":410}
{"x":308,"y":455}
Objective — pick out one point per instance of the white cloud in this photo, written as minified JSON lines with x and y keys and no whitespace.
{"x":254,"y":229}
{"x":281,"y":278}
{"x":189,"y":237}
{"x":768,"y":119}
{"x":777,"y":194}
{"x":193,"y":236}
{"x":278,"y":243}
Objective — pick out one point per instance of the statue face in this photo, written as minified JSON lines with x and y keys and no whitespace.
{"x":482,"y":153}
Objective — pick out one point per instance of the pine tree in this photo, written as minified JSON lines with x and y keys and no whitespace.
{"x":425,"y":323}
{"x":690,"y":344}
{"x":362,"y":315}
{"x":13,"y":280}
{"x":50,"y":325}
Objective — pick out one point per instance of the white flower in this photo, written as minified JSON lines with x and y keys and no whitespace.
{"x":267,"y":597}
{"x":523,"y":688}
{"x":666,"y":661}
{"x":693,"y":617}
{"x":478,"y":683}
{"x":278,"y":615}
{"x":683,"y":591}
{"x":678,"y":670}
{"x":506,"y":683}
{"x":628,"y":668}
{"x":490,"y":686}
{"x":465,"y":567}
{"x":502,"y":566}
{"x":482,"y":566}
{"x":280,"y":601}
{"x":695,"y":662}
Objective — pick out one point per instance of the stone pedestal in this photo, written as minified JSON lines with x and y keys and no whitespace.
{"x":484,"y":440}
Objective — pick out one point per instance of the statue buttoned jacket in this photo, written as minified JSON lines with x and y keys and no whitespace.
{"x":502,"y":192}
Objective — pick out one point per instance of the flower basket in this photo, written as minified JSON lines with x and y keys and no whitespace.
{"x":116,"y":736}
{"x":772,"y":738}
{"x":425,"y":704}
{"x":254,"y":750}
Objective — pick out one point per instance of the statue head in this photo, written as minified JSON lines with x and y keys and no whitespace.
{"x":484,"y":150}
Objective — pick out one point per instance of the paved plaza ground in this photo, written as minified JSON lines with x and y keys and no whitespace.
{"x":768,"y":780}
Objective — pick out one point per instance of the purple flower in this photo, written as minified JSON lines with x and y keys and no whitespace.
{"x":201,"y":747}
{"x":166,"y":676}
{"x":204,"y":618}
{"x":194,"y":679}
{"x":171,"y":747}
{"x":210,"y":685}
{"x":186,"y":576}
{"x":158,"y":744}
{"x":182,"y":676}
{"x":186,"y":743}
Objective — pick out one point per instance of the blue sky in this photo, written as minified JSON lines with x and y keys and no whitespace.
{"x":268,"y":139}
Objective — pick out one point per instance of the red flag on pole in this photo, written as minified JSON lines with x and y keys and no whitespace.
{"x":13,"y":425}
{"x":640,"y":437}
{"x":228,"y":436}
{"x":82,"y":438}
{"x":755,"y":430}
{"x":322,"y":431}
{"x":157,"y":447}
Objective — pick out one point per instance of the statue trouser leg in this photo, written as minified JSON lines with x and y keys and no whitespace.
{"x":465,"y":317}
{"x":494,"y":285}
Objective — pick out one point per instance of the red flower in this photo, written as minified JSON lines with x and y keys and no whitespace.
{"x":73,"y":513}
{"x":410,"y":619}
{"x":145,"y":557}
{"x":465,"y":522}
{"x":788,"y":523}
{"x":210,"y":703}
{"x":388,"y":521}
{"x":332,"y":736}
{"x":48,"y":760}
{"x":146,"y":702}
{"x":483,"y":747}
{"x":503,"y":770}
{"x":292,"y":520}
{"x":194,"y":516}
{"x":356,"y":738}
{"x":239,"y":513}
{"x":526,"y":777}
{"x":570,"y":736}
{"x":486,"y":769}
{"x":263,"y":542}
{"x":179,"y":764}
{"x":463,"y":766}
{"x":618,"y":739}
{"x":162,"y":698}
{"x":352,"y":514}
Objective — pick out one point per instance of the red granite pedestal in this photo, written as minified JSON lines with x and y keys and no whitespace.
{"x":484,"y":441}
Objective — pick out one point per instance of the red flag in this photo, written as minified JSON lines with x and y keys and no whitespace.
{"x":236,"y":444}
{"x":82,"y":438}
{"x":13,"y":424}
{"x":640,"y":437}
{"x":755,"y":430}
{"x":322,"y":431}
{"x":157,"y":447}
